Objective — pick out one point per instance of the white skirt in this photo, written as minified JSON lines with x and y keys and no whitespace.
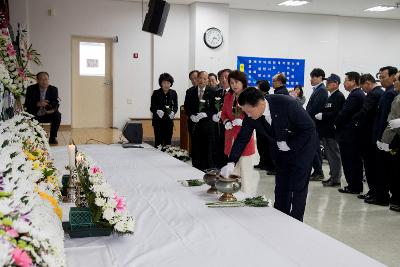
{"x":250,"y":178}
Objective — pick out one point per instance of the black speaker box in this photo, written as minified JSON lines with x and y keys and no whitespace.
{"x":133,"y":132}
{"x":156,"y":17}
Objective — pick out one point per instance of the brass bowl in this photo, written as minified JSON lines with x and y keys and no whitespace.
{"x":210,"y":177}
{"x":228,"y":186}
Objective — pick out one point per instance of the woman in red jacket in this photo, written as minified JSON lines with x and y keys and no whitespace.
{"x":232,"y":116}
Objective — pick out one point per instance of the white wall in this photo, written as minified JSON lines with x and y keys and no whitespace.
{"x":171,"y":51}
{"x":336,"y":44}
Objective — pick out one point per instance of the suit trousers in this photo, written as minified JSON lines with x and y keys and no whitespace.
{"x":54,"y":119}
{"x":291,"y":184}
{"x":203,"y":144}
{"x":317,"y":162}
{"x":264,"y":150}
{"x":388,"y":178}
{"x":352,"y":165}
{"x":369,"y":156}
{"x":163,"y":130}
{"x":334,"y":160}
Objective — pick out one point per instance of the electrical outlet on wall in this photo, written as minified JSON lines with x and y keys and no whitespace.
{"x":129,"y":100}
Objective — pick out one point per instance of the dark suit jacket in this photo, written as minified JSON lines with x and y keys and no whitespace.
{"x":364,"y":119}
{"x":192,"y":103}
{"x":281,"y":91}
{"x":331,"y":110}
{"x":290,"y":123}
{"x":384,"y":106}
{"x":345,"y":128}
{"x":33,"y":96}
{"x":158,"y":102}
{"x":317,"y":102}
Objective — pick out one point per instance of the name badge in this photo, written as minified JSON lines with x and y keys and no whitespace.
{"x":328,"y":105}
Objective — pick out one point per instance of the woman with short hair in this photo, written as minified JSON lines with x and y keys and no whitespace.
{"x":164,"y":105}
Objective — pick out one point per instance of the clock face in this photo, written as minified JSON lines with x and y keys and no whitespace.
{"x":213,"y":38}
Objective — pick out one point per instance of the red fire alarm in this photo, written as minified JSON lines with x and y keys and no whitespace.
{"x":135,"y":55}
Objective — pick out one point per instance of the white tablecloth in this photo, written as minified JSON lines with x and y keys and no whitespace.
{"x":174,"y":227}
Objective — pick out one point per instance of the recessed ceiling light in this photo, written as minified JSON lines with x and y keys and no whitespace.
{"x":379,"y":8}
{"x":293,"y":3}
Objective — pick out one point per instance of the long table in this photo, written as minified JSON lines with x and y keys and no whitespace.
{"x":175,"y":228}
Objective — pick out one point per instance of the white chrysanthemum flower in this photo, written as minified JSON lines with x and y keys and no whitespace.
{"x":108,"y":214}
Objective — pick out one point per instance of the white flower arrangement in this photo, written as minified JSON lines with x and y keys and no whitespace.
{"x":176,"y":152}
{"x":30,"y":229}
{"x":106,"y":206}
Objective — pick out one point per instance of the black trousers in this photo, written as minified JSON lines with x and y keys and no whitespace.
{"x":352,"y":165}
{"x":369,"y":157}
{"x":203,"y":144}
{"x":292,"y":179}
{"x":220,"y":158}
{"x":317,"y":161}
{"x":54,"y":119}
{"x":163,"y":132}
{"x":388,"y":178}
{"x":264,"y":150}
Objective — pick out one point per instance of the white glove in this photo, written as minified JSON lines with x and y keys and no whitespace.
{"x":283,"y":146}
{"x":160,"y":113}
{"x":318,"y":116}
{"x":383,"y":146}
{"x":215,"y":118}
{"x":227,"y":169}
{"x":393,"y":124}
{"x":194,"y":118}
{"x":237,"y":122}
{"x":228,"y":125}
{"x":172,"y":115}
{"x":201,"y":115}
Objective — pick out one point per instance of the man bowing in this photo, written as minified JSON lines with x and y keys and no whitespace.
{"x":292,"y":134}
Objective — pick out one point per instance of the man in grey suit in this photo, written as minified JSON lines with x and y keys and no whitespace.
{"x":314,"y":106}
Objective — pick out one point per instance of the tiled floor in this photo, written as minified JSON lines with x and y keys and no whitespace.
{"x":373,"y":230}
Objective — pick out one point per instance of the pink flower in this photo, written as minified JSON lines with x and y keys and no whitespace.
{"x":21,"y":258}
{"x":10,"y":50}
{"x":11,"y":232}
{"x":5,"y":32}
{"x":21,"y":73}
{"x":95,"y":170}
{"x":120,"y":203}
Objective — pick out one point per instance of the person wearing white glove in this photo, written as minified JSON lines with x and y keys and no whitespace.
{"x":228,"y":125}
{"x":300,"y":136}
{"x":232,"y":116}
{"x":160,"y":113}
{"x":237,"y":122}
{"x":394,"y":124}
{"x":164,"y":105}
{"x":282,"y":145}
{"x":318,"y":116}
{"x":227,"y":169}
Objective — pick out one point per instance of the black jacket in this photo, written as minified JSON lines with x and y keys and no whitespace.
{"x":331,"y":110}
{"x":345,"y":128}
{"x":32,"y":97}
{"x":364,"y":119}
{"x":317,"y":102}
{"x":290,"y":123}
{"x":192,"y":103}
{"x":159,"y":101}
{"x":384,"y":106}
{"x":281,"y":90}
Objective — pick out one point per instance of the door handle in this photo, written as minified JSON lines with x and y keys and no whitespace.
{"x":109,"y":83}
